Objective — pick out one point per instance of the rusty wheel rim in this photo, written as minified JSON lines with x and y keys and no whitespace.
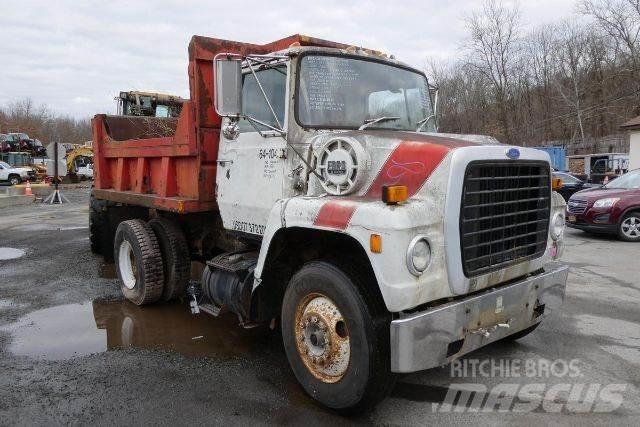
{"x":322,"y":338}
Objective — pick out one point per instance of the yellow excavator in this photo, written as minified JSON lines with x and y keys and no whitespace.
{"x":77,"y":159}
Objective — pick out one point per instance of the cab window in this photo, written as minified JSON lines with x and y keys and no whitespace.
{"x":273,"y":81}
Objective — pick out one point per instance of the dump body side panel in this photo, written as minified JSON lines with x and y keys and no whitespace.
{"x":170,"y":164}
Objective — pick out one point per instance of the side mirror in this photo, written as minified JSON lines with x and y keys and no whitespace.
{"x":228,"y":90}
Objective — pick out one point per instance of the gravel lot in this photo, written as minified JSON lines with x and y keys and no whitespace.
{"x":71,"y":351}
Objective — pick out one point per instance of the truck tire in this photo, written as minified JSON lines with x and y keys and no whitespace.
{"x":336,"y":338}
{"x":175,"y":257}
{"x":629,"y":227}
{"x":138,"y":262}
{"x":98,"y":226}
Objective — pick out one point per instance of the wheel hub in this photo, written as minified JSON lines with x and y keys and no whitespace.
{"x":127,"y":265}
{"x":631,"y":227}
{"x":322,"y":338}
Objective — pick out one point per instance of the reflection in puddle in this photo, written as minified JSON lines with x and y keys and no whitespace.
{"x":66,"y":331}
{"x":10,"y":253}
{"x":108,"y":271}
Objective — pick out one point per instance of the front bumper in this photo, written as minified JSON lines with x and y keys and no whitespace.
{"x":444,"y":333}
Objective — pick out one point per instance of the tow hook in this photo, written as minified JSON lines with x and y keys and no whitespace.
{"x":486,"y":332}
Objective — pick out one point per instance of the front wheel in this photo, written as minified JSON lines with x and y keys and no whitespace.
{"x":336,"y":338}
{"x":15,"y":180}
{"x":629,"y":227}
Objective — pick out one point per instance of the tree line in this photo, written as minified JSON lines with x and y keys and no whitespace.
{"x":569,"y":80}
{"x":40,"y":123}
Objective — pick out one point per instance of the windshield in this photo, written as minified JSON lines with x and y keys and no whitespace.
{"x":343,"y":92}
{"x":628,"y":181}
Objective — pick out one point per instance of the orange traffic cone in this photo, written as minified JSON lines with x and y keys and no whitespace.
{"x":27,"y":190}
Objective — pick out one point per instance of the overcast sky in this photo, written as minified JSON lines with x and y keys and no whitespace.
{"x":75,"y":56}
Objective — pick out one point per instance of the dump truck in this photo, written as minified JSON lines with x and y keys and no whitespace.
{"x":310,"y":178}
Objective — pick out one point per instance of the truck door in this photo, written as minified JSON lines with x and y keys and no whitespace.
{"x":250,"y":175}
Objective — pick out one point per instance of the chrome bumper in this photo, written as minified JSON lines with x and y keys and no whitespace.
{"x":442,"y":334}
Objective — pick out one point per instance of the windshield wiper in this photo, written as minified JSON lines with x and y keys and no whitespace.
{"x":422,"y":123}
{"x":370,"y":122}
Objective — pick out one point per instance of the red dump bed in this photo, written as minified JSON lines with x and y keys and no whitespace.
{"x":170,"y":164}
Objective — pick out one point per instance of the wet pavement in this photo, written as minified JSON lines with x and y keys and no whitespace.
{"x":72,"y":351}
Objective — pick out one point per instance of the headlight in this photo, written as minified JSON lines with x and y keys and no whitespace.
{"x":606,"y":203}
{"x":418,"y":255}
{"x":557,"y":226}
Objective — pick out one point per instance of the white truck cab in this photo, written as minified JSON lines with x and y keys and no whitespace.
{"x":466,"y":255}
{"x":86,"y":171}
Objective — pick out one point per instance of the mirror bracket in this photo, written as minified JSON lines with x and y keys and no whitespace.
{"x":230,"y":129}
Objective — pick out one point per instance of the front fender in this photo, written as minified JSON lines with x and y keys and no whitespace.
{"x":360,"y":218}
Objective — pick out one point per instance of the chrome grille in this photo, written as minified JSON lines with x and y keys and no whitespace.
{"x":576,"y":206}
{"x":504,"y":215}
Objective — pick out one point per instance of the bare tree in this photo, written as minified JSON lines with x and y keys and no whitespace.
{"x":493,"y":47}
{"x":621,"y":20}
{"x":570,"y":55}
{"x":38,"y":122}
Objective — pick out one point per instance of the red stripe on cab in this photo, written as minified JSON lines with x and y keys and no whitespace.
{"x":335,"y":214}
{"x":410,"y":164}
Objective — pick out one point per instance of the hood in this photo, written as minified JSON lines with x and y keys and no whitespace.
{"x":360,"y":163}
{"x":593,"y":194}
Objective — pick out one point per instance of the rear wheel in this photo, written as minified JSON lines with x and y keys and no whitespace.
{"x":138,"y":262}
{"x":336,"y":339}
{"x":629,"y":227}
{"x":175,"y":257}
{"x":98,"y":226}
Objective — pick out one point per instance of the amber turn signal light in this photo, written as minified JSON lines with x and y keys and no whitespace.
{"x":394,"y":194}
{"x":556,"y":183}
{"x":375,"y":243}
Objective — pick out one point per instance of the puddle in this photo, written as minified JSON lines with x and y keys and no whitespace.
{"x":67,"y":331}
{"x":10,"y":253}
{"x":57,"y":333}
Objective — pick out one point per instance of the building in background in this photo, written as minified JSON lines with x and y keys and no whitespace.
{"x":633,"y":127}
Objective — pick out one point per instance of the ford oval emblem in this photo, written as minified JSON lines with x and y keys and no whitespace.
{"x":513,"y":153}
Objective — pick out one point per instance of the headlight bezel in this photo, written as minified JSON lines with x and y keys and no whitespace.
{"x":411,"y":265}
{"x":553,"y":232}
{"x":602,"y":203}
